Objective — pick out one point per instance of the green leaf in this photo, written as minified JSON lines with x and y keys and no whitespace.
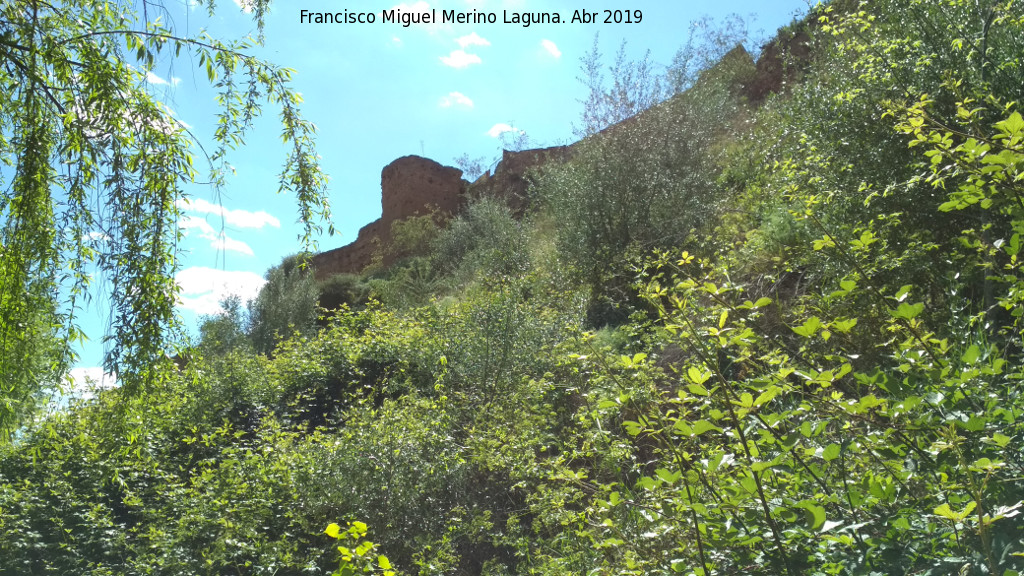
{"x":867,"y":238}
{"x":698,"y":376}
{"x":702,"y":426}
{"x":806,"y":429}
{"x":844,"y":325}
{"x":1013,"y":246}
{"x":1000,"y":440}
{"x":903,"y":292}
{"x":683,"y":427}
{"x":946,"y":512}
{"x":809,"y":327}
{"x":986,"y":465}
{"x":383,"y":562}
{"x":815,"y":513}
{"x":667,"y":476}
{"x":1012,"y":126}
{"x":908,"y":311}
{"x":767,"y":396}
{"x":824,"y":242}
{"x":632,"y":428}
{"x":831,"y":452}
{"x":698,"y":390}
{"x":333,"y":530}
{"x":971,"y":355}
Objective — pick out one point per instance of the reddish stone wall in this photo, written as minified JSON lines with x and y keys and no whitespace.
{"x":510,"y":181}
{"x":782,"y":62}
{"x":351,"y":258}
{"x":410,"y":185}
{"x":413,"y":185}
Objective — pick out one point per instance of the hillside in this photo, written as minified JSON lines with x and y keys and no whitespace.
{"x":771,"y":325}
{"x":414,"y":186}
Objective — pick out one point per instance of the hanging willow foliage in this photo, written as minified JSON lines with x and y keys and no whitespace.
{"x":93,"y":169}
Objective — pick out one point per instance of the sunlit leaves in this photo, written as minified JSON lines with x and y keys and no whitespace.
{"x":908,"y":311}
{"x":114,"y":162}
{"x":809,"y":327}
{"x":945,"y":511}
{"x":360,"y":558}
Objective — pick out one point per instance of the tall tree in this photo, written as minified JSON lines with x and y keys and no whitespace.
{"x":285,"y":305}
{"x":93,"y":168}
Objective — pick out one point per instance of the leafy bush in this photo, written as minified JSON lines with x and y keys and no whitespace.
{"x":484,"y":241}
{"x":226,"y":331}
{"x":640,"y":186}
{"x":342,"y":289}
{"x":804,"y":397}
{"x":285,"y":305}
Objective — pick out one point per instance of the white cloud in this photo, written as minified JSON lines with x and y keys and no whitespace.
{"x":460,"y":59}
{"x":501,"y":128}
{"x":223,"y":242}
{"x":396,"y":40}
{"x":551,"y":47}
{"x":154,"y":79}
{"x":218,"y":240}
{"x":472,"y":40}
{"x":171,"y":112}
{"x":83,"y":382}
{"x":455,"y":99}
{"x":190,"y":222}
{"x":238,"y":218}
{"x":95,"y":236}
{"x":202,"y":289}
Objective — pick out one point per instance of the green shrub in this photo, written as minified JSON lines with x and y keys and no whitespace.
{"x":343,"y":290}
{"x":224,"y":332}
{"x":484,"y":241}
{"x":286,"y":305}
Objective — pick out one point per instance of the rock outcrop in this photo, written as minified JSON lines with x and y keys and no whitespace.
{"x":784,"y":60}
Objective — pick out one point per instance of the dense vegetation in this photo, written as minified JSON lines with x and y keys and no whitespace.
{"x":95,"y":168}
{"x":784,"y":342}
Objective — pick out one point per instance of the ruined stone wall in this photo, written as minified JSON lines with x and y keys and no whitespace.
{"x":414,"y":185}
{"x":410,"y":185}
{"x":510,"y":180}
{"x":352,"y":258}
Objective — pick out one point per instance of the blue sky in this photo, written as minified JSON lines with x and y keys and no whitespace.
{"x":381,"y":91}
